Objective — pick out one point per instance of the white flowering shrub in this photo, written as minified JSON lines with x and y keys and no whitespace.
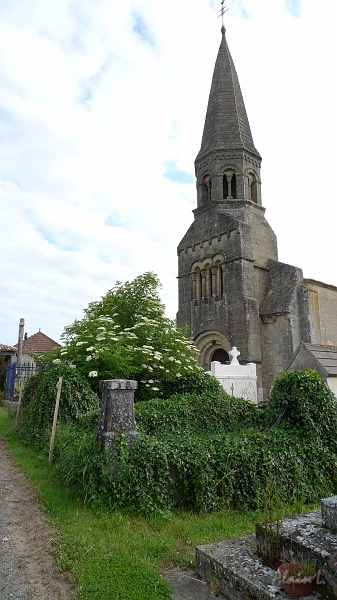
{"x":127,"y":335}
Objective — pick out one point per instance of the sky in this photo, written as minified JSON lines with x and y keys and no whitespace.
{"x":102,"y":108}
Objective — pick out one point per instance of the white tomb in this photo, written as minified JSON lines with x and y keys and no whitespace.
{"x":237,"y":380}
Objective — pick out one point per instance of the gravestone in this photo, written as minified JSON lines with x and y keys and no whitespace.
{"x":237,"y":380}
{"x":117,"y":413}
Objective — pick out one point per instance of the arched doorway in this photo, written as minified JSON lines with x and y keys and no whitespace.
{"x":220,"y":355}
{"x":212,"y":345}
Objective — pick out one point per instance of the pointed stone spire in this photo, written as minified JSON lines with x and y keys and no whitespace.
{"x":226,"y":124}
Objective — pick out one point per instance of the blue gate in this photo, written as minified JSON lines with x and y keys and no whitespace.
{"x":14,"y":375}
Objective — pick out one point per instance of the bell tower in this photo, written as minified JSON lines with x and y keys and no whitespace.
{"x":228,"y":165}
{"x":223,"y":257}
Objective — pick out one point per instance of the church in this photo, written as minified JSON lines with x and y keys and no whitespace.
{"x":233,"y":291}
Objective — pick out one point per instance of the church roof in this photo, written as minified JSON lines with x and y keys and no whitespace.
{"x":323,"y":358}
{"x":226,"y":124}
{"x":39,"y":342}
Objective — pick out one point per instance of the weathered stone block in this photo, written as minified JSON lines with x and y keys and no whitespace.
{"x":117,"y":412}
{"x":329,"y":512}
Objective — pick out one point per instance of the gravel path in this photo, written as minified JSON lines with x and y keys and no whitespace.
{"x":28,"y":569}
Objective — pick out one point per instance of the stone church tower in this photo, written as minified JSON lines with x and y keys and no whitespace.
{"x":232,"y":289}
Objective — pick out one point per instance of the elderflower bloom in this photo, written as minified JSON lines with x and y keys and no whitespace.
{"x":93,"y":374}
{"x":56,"y":361}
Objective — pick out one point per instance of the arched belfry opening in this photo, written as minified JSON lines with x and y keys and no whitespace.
{"x":252,"y":187}
{"x":206,"y":189}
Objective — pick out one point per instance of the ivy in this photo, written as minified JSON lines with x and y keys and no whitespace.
{"x":38,"y":401}
{"x":203,"y":451}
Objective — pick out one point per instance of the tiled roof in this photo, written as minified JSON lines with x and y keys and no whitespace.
{"x":5,"y":348}
{"x":326,"y":356}
{"x":318,"y":356}
{"x":39,"y":342}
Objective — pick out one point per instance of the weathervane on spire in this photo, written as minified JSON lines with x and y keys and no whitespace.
{"x":223,"y":9}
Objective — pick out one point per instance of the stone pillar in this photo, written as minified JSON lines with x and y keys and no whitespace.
{"x":203,"y":285}
{"x":215,"y":281}
{"x":194,"y":287}
{"x":117,"y":413}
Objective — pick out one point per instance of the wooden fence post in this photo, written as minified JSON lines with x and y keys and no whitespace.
{"x":57,"y":403}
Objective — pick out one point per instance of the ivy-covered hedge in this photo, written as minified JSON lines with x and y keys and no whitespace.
{"x":38,"y":401}
{"x":202,"y":452}
{"x":199,"y":414}
{"x":197,"y":473}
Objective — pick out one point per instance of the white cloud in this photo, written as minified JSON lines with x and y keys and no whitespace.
{"x":97,"y":99}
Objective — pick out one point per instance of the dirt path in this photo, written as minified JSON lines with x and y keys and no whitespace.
{"x":28,"y":569}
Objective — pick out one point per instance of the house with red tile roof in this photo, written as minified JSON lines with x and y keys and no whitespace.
{"x":38,"y":343}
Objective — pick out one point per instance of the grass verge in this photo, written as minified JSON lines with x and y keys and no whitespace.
{"x":111,"y":555}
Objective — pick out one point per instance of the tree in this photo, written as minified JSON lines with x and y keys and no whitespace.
{"x":127,"y":335}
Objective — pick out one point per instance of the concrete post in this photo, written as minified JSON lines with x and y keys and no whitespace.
{"x":20,"y":342}
{"x":117,"y":413}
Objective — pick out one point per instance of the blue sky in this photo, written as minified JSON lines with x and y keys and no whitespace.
{"x":102,"y":107}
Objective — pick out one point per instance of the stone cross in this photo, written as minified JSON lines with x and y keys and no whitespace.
{"x":234,"y":353}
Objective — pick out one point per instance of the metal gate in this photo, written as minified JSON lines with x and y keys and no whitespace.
{"x":14,"y":375}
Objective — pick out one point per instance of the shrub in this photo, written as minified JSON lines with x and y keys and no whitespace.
{"x":126,"y":335}
{"x":302,"y":401}
{"x":198,"y":382}
{"x":39,"y":398}
{"x":204,"y":451}
{"x":206,"y":413}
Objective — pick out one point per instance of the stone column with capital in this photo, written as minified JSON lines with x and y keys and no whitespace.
{"x":117,"y":413}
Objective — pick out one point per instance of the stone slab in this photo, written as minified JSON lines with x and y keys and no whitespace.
{"x":185,"y":584}
{"x":236,"y":569}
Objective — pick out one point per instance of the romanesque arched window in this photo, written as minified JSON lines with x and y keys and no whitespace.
{"x":252,"y":187}
{"x":206,"y":189}
{"x":219,"y":279}
{"x":197,"y":285}
{"x":207,"y":280}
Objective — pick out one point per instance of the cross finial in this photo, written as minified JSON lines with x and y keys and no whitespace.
{"x":233,"y":354}
{"x":223,"y":9}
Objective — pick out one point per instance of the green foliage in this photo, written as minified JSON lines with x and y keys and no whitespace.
{"x":197,"y":382}
{"x":206,"y":451}
{"x":38,"y":400}
{"x":301,"y":400}
{"x":126,"y":335}
{"x":206,"y":413}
